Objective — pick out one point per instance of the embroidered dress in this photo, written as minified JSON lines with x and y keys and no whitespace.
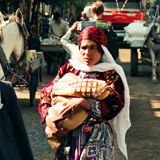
{"x":94,"y":138}
{"x":121,"y":122}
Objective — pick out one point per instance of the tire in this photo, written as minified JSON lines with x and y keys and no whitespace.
{"x":134,"y":62}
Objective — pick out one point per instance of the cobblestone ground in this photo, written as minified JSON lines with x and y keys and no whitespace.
{"x":142,"y":138}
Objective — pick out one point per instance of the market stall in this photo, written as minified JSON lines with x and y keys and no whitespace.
{"x":54,"y":54}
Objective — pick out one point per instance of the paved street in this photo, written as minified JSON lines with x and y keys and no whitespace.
{"x":142,"y":138}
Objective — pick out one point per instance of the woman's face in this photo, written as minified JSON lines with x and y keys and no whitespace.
{"x":89,"y":52}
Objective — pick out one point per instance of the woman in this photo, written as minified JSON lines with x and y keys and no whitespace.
{"x":92,"y":139}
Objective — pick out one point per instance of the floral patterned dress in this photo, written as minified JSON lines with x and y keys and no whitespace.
{"x":93,"y":140}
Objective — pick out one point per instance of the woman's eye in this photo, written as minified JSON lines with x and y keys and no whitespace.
{"x":92,"y":47}
{"x":84,"y":48}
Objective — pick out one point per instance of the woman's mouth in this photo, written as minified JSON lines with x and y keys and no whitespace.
{"x":87,"y":59}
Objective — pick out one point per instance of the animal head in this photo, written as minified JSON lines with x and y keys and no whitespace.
{"x":17,"y":17}
{"x":14,"y":37}
{"x":1,"y":18}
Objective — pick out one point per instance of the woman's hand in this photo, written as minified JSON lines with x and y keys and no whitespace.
{"x":74,"y":105}
{"x":52,"y":130}
{"x":70,"y":106}
{"x":74,"y":27}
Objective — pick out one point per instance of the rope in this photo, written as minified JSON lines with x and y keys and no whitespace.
{"x":117,"y":5}
{"x":122,"y":6}
{"x":26,"y":74}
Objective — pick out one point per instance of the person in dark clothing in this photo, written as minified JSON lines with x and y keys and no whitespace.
{"x":14,"y":142}
{"x":28,"y":26}
{"x":35,"y":41}
{"x":71,"y":19}
{"x":78,"y":17}
{"x":112,"y":44}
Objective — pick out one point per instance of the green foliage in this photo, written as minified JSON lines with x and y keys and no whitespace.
{"x":82,"y":3}
{"x":68,"y":4}
{"x":78,"y":4}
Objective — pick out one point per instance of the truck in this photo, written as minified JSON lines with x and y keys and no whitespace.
{"x":121,"y":13}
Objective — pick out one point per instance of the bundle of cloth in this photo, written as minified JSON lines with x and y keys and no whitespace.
{"x":136,"y":33}
{"x":72,"y":86}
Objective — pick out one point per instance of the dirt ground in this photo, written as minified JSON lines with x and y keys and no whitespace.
{"x":142,"y":138}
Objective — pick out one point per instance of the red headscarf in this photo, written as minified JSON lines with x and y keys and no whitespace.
{"x":94,"y":34}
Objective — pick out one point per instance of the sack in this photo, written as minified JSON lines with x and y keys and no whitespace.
{"x":71,"y":85}
{"x":136,"y":29}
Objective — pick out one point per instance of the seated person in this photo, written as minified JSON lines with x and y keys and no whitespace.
{"x":35,"y":41}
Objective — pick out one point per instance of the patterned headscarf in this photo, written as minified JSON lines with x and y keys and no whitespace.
{"x":94,"y":34}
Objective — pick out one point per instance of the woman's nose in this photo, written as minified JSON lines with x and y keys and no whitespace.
{"x":87,"y":51}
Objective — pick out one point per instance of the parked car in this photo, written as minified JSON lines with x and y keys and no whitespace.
{"x":122,"y":12}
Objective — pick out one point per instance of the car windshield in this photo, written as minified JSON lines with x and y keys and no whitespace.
{"x":129,"y":5}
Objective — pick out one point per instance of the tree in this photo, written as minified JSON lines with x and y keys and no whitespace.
{"x":78,"y":5}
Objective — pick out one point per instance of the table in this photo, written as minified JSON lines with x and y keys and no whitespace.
{"x":35,"y":77}
{"x":53,"y":54}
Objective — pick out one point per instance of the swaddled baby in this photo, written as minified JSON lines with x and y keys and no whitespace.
{"x":67,"y":87}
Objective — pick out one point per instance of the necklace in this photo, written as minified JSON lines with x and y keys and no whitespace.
{"x":122,"y":6}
